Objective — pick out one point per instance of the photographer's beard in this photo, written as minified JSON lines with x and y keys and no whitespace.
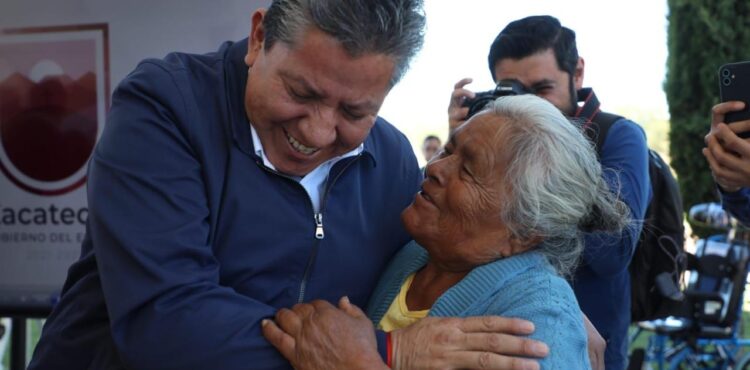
{"x":573,"y":95}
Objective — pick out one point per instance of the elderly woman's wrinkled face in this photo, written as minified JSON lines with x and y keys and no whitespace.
{"x":456,"y":216}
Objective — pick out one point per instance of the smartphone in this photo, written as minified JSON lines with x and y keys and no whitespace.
{"x":734,"y":84}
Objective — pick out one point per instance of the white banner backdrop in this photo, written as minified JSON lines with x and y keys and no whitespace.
{"x":59,"y":61}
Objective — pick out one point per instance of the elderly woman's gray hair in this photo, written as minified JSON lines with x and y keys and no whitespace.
{"x":390,"y":27}
{"x":556,"y":180}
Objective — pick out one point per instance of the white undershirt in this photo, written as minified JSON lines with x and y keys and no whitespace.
{"x":314,"y":182}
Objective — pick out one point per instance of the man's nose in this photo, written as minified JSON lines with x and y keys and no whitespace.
{"x":319,"y":127}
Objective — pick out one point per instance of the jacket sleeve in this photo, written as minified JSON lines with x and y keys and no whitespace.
{"x":624,"y":159}
{"x":737,"y":204}
{"x":149,"y":219}
{"x":550,"y":304}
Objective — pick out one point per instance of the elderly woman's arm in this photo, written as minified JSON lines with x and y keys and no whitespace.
{"x":318,"y":336}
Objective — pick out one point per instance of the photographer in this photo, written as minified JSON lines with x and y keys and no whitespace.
{"x":728,"y":156}
{"x":540,"y":55}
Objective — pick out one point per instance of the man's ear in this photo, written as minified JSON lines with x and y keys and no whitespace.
{"x":257,"y":35}
{"x":578,"y":74}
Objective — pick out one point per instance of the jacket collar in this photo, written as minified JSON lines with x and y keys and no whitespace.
{"x":590,"y":107}
{"x":474,"y":287}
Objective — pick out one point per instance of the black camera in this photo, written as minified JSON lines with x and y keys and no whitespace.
{"x":503,"y":88}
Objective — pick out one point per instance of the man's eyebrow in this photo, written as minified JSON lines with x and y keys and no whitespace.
{"x":303,"y":84}
{"x":541,"y":83}
{"x":365,"y":106}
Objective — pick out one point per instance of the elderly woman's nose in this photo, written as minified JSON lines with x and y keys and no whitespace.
{"x":434,"y":170}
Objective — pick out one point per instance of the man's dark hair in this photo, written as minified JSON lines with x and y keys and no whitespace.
{"x":391,"y":27}
{"x":430,"y":137}
{"x":530,"y":35}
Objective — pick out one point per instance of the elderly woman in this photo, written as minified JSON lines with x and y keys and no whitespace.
{"x":498,"y":222}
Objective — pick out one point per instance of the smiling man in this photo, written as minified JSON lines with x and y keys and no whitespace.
{"x":229,"y":185}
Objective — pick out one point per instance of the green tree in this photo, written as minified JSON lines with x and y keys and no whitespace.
{"x":702,"y":35}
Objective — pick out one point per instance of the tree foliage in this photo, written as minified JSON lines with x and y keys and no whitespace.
{"x":702,"y":35}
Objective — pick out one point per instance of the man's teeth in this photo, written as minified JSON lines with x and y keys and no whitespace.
{"x":300,"y":148}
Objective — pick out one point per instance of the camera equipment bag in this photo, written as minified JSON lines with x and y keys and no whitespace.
{"x":660,"y":253}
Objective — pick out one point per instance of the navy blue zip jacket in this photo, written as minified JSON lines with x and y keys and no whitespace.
{"x":191,"y":240}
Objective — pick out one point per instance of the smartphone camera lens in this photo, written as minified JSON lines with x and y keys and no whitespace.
{"x":726,"y":81}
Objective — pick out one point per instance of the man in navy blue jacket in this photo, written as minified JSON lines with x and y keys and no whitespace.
{"x":229,"y":185}
{"x":541,"y":55}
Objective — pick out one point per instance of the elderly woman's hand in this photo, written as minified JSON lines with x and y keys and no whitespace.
{"x":317,"y":335}
{"x":487,"y":342}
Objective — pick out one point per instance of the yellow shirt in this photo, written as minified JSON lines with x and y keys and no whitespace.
{"x":398,"y":315}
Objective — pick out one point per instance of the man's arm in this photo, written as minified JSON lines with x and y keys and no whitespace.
{"x":149,"y":220}
{"x":624,"y":159}
{"x":737,"y":204}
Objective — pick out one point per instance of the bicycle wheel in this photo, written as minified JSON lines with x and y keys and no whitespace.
{"x":744,"y":363}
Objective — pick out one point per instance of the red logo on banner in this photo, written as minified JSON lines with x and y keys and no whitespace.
{"x":50,"y":108}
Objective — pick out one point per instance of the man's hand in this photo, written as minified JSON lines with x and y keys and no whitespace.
{"x":727,"y":154}
{"x":597,"y":345}
{"x":487,"y":342}
{"x":319,"y":336}
{"x":456,"y":112}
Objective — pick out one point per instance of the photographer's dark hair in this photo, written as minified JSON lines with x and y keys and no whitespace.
{"x":530,"y":35}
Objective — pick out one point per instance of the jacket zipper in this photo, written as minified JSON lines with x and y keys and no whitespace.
{"x":319,"y":231}
{"x":317,"y":217}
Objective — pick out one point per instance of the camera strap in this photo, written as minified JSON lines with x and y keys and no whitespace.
{"x":594,"y":122}
{"x":590,"y":107}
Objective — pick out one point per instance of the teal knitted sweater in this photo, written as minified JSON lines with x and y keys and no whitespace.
{"x":523,"y":286}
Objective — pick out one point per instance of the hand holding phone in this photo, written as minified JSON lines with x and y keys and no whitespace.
{"x":734,"y":85}
{"x":727,"y":148}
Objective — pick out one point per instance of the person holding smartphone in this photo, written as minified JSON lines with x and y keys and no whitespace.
{"x":728,"y":156}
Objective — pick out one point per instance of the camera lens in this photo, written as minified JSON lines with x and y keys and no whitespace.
{"x":726,"y":81}
{"x":725,"y":72}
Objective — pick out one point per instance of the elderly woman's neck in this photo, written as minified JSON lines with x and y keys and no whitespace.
{"x":429,"y":284}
